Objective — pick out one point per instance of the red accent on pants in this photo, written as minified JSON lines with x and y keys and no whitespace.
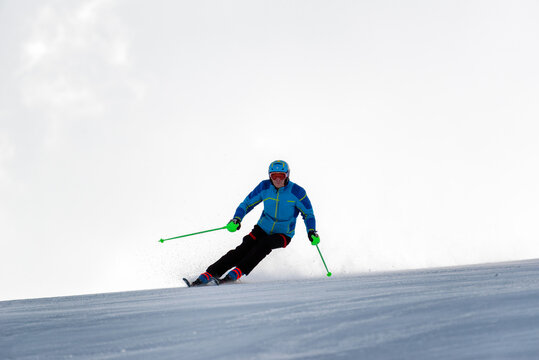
{"x":285,"y":243}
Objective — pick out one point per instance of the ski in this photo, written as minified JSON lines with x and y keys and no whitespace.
{"x":225,"y":281}
{"x":209,"y":283}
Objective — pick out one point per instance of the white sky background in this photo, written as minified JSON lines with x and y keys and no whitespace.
{"x":412,"y":126}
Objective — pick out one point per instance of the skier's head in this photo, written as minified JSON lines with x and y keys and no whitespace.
{"x":279,"y":173}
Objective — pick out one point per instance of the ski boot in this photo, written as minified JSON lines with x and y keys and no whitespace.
{"x":233,"y":275}
{"x":204,"y":279}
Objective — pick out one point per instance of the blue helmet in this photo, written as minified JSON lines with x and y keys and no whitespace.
{"x":279,"y":166}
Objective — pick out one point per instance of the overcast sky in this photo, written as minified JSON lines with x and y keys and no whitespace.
{"x":412,"y":126}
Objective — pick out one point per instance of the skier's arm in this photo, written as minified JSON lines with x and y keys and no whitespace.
{"x":253,"y":199}
{"x":310,"y":224}
{"x":304,"y":206}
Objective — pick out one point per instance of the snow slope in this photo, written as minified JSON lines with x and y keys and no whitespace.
{"x":476,"y":312}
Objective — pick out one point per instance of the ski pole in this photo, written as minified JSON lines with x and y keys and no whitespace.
{"x":329,"y":273}
{"x":200,"y":232}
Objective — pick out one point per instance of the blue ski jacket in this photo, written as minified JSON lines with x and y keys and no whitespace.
{"x":281,"y":208}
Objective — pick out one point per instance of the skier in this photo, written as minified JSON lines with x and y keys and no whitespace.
{"x":283,"y":202}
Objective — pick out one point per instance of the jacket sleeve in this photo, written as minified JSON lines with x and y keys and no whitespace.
{"x":303,"y":204}
{"x":253,"y":199}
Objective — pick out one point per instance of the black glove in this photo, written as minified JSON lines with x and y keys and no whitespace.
{"x":234,"y":225}
{"x":313,"y":237}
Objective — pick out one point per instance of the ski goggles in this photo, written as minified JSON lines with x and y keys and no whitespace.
{"x":277,"y":176}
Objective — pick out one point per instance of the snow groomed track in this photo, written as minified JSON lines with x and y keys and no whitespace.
{"x":472,"y":312}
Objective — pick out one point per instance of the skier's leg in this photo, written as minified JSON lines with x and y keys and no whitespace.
{"x":260,"y":250}
{"x":231,"y":258}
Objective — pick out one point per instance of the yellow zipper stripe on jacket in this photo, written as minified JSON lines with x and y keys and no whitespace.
{"x":276,"y":209}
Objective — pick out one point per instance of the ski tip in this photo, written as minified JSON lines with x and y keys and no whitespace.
{"x":187,"y":282}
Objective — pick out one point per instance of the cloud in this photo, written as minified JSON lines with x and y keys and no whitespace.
{"x":7,"y":151}
{"x":75,"y":54}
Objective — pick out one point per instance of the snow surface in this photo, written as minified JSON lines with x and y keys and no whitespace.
{"x":486,"y":311}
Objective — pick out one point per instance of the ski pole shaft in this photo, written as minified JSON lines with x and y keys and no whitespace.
{"x":317,"y":248}
{"x":200,"y":232}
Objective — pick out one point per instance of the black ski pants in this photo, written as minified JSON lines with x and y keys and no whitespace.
{"x":255,"y":247}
